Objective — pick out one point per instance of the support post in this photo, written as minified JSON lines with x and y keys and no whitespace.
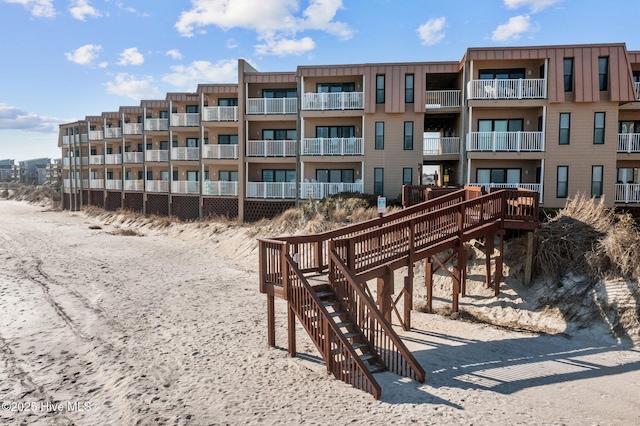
{"x":488,"y":248}
{"x":498,"y":275}
{"x":291,"y":325}
{"x":528,"y":268}
{"x":385,"y":292}
{"x":271,"y":321}
{"x":408,"y":297}
{"x":428,"y":282}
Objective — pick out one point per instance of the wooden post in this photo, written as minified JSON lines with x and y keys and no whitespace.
{"x":456,"y":282}
{"x":463,"y":270}
{"x":499,"y":265}
{"x":408,"y":297}
{"x":528,"y":268}
{"x":488,"y":248}
{"x":271,"y":321}
{"x":385,"y":292}
{"x":428,"y":282}
{"x":291,"y":325}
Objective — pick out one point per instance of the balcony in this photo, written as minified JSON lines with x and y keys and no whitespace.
{"x":133,"y":157}
{"x":522,"y":88}
{"x":221,"y":152}
{"x":75,"y":161}
{"x":185,"y":153}
{"x":442,"y":99}
{"x":112,"y":133}
{"x":220,"y":113}
{"x":185,"y":119}
{"x":271,"y":148}
{"x":281,"y":190}
{"x":113,"y":159}
{"x":96,"y":135}
{"x":132,"y":128}
{"x":96,"y":160}
{"x":332,"y":101}
{"x":321,"y":190}
{"x":185,"y":187}
{"x":332,"y":146}
{"x":157,"y":186}
{"x":628,"y":142}
{"x":441,"y":146}
{"x":134,"y":185}
{"x":96,"y":183}
{"x":505,"y":141}
{"x":272,"y":106}
{"x":220,"y":188}
{"x":113,"y":184}
{"x":627,"y":193}
{"x":156,"y":124}
{"x":66,"y":140}
{"x":157,"y":155}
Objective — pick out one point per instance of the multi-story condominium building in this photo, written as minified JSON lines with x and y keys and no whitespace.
{"x":53,"y":173}
{"x":6,"y":167}
{"x":556,"y":119}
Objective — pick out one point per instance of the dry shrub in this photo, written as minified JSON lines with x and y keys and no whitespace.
{"x":126,"y":232}
{"x":40,"y":195}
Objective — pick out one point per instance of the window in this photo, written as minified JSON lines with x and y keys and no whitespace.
{"x":279,"y":93}
{"x":502,"y":74}
{"x":378,"y":180}
{"x":228,"y":175}
{"x":110,"y":175}
{"x":335,"y":131}
{"x":598,"y":127}
{"x":228,"y":102}
{"x":278,"y":134}
{"x":335,"y":87}
{"x":498,"y":175}
{"x":408,"y":88}
{"x":596,"y":181}
{"x":379,"y":89}
{"x":175,"y":175}
{"x":565,"y":123}
{"x":174,"y":144}
{"x":94,"y":151}
{"x":408,"y":135}
{"x":334,"y":175}
{"x":562,"y":182}
{"x":279,"y":175}
{"x":568,"y":74}
{"x":603,"y":72}
{"x":140,"y":174}
{"x":192,"y":176}
{"x":149,"y":146}
{"x":407,"y":176}
{"x":192,"y":142}
{"x":164,"y":145}
{"x":228,"y":139}
{"x":379,"y":134}
{"x":164,"y":114}
{"x":191,"y":109}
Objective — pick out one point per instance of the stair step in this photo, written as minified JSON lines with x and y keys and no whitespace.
{"x":351,"y":334}
{"x":359,"y":345}
{"x":366,"y":357}
{"x":376,"y":368}
{"x":328,"y":303}
{"x":322,"y":294}
{"x":337,"y":313}
{"x":344,"y":324}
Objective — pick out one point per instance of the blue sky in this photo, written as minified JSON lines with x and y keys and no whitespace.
{"x":66,"y":59}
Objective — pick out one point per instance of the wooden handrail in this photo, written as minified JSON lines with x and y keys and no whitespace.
{"x":356,"y":305}
{"x":322,"y":329}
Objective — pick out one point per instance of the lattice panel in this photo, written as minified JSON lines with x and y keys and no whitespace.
{"x":86,"y":198}
{"x":220,"y":207}
{"x":633,"y":211}
{"x":133,"y":201}
{"x":185,"y":207}
{"x":97,"y":198}
{"x":256,"y":210}
{"x":66,"y":201}
{"x":157,"y":204}
{"x":114,"y":200}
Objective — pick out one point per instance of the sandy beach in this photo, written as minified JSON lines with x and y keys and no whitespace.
{"x":169,"y":327}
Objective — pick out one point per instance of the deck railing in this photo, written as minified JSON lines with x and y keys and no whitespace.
{"x":332,"y":146}
{"x":441,"y":146}
{"x":521,"y":88}
{"x":220,"y":152}
{"x":113,"y":159}
{"x":157,"y":155}
{"x":185,"y":153}
{"x":627,"y":193}
{"x":156,"y":124}
{"x":220,"y":113}
{"x":132,"y":128}
{"x":133,"y":157}
{"x":505,"y":141}
{"x":319,"y":190}
{"x":628,"y":142}
{"x":332,"y":101}
{"x":112,"y":132}
{"x":271,"y":148}
{"x":185,"y":119}
{"x":220,"y":188}
{"x":272,"y":106}
{"x":157,"y":186}
{"x":442,"y":99}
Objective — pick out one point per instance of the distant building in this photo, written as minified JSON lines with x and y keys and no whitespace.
{"x":6,"y":170}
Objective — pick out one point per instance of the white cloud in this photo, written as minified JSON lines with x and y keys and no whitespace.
{"x":232,"y":44}
{"x":284,"y":47}
{"x":131,"y":56}
{"x":188,"y":77}
{"x":39,"y":8}
{"x":14,"y":118}
{"x":81,"y":9}
{"x":513,"y":29}
{"x":276,"y":20}
{"x":534,"y":5}
{"x":432,"y":31}
{"x":84,"y":55}
{"x":133,"y":87}
{"x":174,"y":53}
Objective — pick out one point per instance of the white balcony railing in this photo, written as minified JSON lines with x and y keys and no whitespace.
{"x":133,"y":157}
{"x":332,"y":101}
{"x":156,"y":124}
{"x":133,"y":185}
{"x":112,"y":132}
{"x":96,"y":135}
{"x":220,"y":188}
{"x":96,"y":183}
{"x":75,"y":161}
{"x":113,"y":159}
{"x":220,"y":152}
{"x":441,"y":146}
{"x":272,"y":105}
{"x":627,"y":193}
{"x":185,"y":187}
{"x":522,"y":88}
{"x":185,"y":153}
{"x":96,"y":160}
{"x":321,"y":190}
{"x":132,"y":128}
{"x":271,"y":148}
{"x":442,"y":99}
{"x":332,"y":146}
{"x":530,"y":186}
{"x":113,"y":184}
{"x":84,"y":138}
{"x":157,"y":186}
{"x":505,"y":141}
{"x":628,"y":142}
{"x":220,"y":113}
{"x":157,"y":155}
{"x":271,"y":190}
{"x":185,"y":119}
{"x":66,"y":140}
